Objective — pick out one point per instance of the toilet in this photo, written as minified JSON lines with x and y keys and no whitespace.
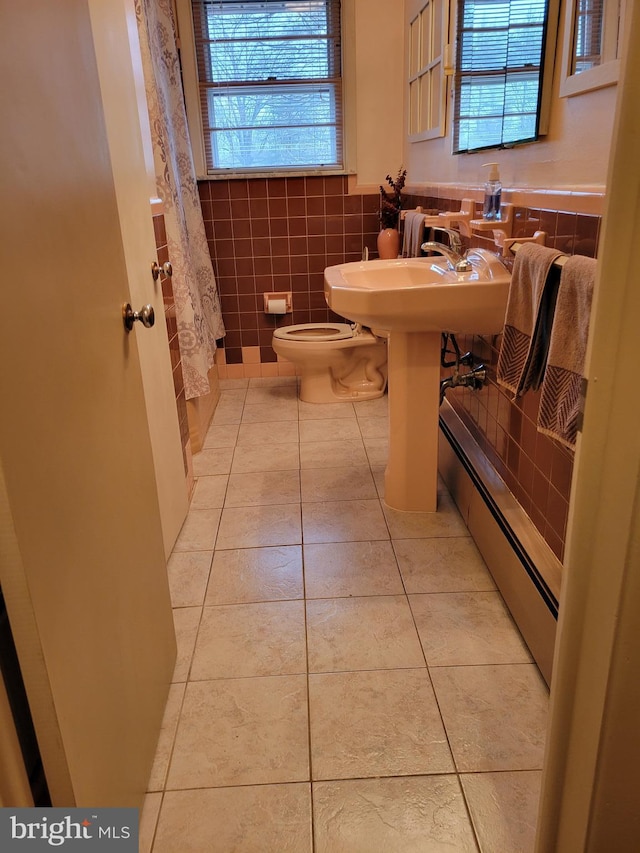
{"x":336,"y":361}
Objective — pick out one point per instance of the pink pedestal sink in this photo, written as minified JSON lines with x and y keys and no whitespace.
{"x":416,"y":299}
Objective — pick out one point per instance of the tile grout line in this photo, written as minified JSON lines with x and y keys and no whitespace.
{"x":305,"y":601}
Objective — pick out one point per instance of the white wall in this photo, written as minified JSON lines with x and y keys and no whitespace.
{"x":378,"y":42}
{"x":574,"y":155}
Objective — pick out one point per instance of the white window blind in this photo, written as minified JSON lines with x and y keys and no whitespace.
{"x":500,"y":51}
{"x":589,"y":29}
{"x":590,"y":56}
{"x":270,"y":84}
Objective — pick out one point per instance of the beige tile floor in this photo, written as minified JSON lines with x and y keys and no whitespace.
{"x":348,"y":677}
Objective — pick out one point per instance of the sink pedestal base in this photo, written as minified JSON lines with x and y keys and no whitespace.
{"x":411,"y":478}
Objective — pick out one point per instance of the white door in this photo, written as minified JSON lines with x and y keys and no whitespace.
{"x":82,"y":561}
{"x":115,"y":39}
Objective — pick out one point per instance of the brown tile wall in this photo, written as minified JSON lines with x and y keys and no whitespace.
{"x":172,"y":330}
{"x":536,"y":468}
{"x":280,"y":234}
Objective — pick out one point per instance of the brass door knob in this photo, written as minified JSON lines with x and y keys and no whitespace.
{"x":156,"y":269}
{"x":146,"y":316}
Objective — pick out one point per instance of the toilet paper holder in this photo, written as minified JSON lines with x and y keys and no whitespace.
{"x":278,"y":300}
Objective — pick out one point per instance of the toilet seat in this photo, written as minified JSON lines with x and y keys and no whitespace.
{"x":315,"y":332}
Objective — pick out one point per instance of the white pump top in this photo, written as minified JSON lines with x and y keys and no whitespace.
{"x":494,"y":175}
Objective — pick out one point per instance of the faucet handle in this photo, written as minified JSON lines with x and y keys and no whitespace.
{"x":463,"y":265}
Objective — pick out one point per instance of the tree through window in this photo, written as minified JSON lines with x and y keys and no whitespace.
{"x":500,"y":57}
{"x":270,"y":83}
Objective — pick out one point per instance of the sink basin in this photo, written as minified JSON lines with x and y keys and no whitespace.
{"x":421,"y":294}
{"x":415,"y":300}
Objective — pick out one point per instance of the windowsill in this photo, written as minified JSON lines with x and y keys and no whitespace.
{"x":588,"y":81}
{"x":424,"y":135}
{"x":275,"y":173}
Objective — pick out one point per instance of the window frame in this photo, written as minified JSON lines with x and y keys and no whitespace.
{"x":549,"y":41}
{"x":603,"y":75}
{"x":420,"y":72}
{"x":189,"y":63}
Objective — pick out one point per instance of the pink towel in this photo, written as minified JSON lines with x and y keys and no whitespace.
{"x":525,"y":340}
{"x":560,"y":401}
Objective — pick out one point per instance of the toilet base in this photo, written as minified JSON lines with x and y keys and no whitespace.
{"x":321,"y":387}
{"x":353,"y":367}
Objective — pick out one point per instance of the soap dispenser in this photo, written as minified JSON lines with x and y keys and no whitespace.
{"x":492,"y":193}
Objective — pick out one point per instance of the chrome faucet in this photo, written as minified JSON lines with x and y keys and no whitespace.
{"x":455,"y":241}
{"x":456,"y":261}
{"x":453,"y":252}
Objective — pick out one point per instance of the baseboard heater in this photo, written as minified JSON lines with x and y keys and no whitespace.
{"x":525,"y":570}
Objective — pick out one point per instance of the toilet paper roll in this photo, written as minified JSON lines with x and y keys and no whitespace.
{"x":277,"y":306}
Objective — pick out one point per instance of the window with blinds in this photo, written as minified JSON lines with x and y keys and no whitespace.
{"x":270,"y":84}
{"x":588,"y":35}
{"x":500,"y":60}
{"x":590,"y":55}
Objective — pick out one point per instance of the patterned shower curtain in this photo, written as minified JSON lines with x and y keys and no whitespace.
{"x":198,"y":312}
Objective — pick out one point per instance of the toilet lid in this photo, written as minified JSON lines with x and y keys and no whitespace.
{"x":315,"y":332}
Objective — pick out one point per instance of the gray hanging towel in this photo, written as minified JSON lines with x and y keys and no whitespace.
{"x":413,"y":233}
{"x":525,"y":340}
{"x":560,"y":400}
